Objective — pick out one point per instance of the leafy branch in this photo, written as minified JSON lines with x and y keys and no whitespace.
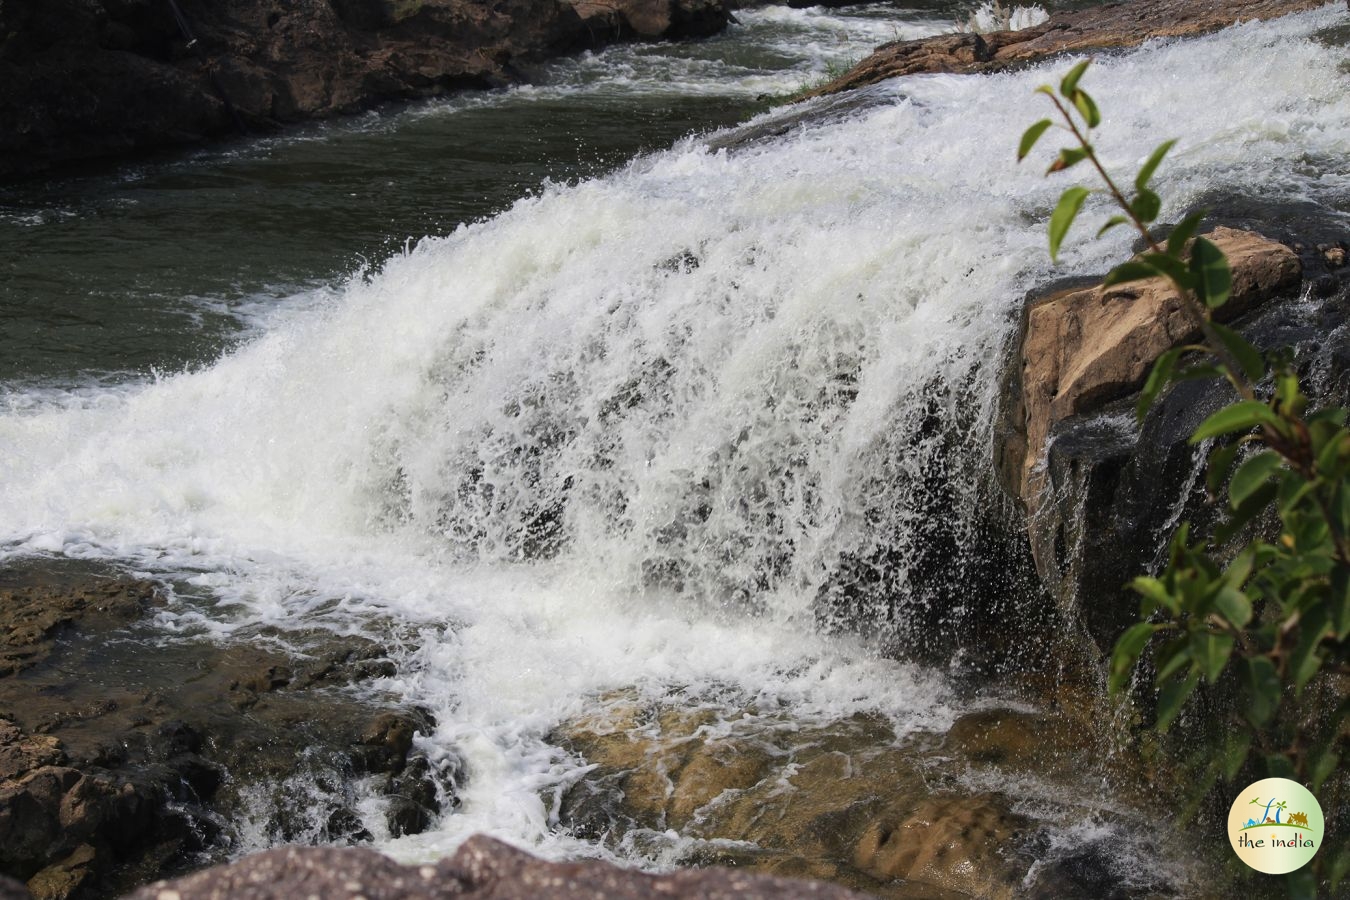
{"x":1272,"y":617}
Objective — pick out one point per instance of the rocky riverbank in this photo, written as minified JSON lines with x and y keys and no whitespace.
{"x":88,"y":79}
{"x":124,"y":759}
{"x":1106,"y":27}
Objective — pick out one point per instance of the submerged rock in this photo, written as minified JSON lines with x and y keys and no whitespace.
{"x":125,"y":758}
{"x":850,"y":801}
{"x":1095,"y":28}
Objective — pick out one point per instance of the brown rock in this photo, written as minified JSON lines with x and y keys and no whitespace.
{"x":1099,"y":27}
{"x":21,"y":753}
{"x":62,"y":879}
{"x":846,"y":801}
{"x":960,"y":843}
{"x":1082,"y":348}
{"x":35,"y":611}
{"x":483,"y":867}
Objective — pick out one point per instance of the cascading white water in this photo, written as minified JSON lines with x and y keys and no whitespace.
{"x":623,"y":433}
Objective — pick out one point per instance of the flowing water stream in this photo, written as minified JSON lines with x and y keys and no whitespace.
{"x":596,"y":432}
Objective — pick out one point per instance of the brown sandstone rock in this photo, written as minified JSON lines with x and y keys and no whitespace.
{"x":1082,"y":348}
{"x":955,"y":842}
{"x":1125,"y":24}
{"x":846,"y":801}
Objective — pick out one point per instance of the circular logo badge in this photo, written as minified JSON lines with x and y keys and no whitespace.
{"x":1275,"y":825}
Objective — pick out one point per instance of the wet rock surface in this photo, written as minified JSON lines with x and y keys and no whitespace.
{"x":853,"y":801}
{"x":87,"y":79}
{"x":1103,"y":493}
{"x":125,"y":757}
{"x":482,"y":867}
{"x":1111,"y":25}
{"x":1085,"y":347}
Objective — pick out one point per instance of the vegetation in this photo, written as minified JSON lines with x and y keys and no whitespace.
{"x":1260,"y":609}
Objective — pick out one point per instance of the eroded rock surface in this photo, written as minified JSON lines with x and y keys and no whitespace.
{"x":1096,"y":28}
{"x":84,"y":79}
{"x":125,"y":758}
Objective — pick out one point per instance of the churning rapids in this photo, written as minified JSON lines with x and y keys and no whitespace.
{"x":622,"y":434}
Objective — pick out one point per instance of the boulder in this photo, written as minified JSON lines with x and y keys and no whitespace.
{"x":1122,"y":24}
{"x":1104,"y":493}
{"x":1081,"y":348}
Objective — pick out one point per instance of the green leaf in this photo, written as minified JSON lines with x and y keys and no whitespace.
{"x":1251,"y":475}
{"x":1172,"y":697}
{"x":1069,"y":204}
{"x":1247,"y":510}
{"x":1220,"y":461}
{"x":1233,"y":605}
{"x":1126,"y":652}
{"x":1172,"y":267}
{"x":1087,"y":108}
{"x":1183,"y":232}
{"x":1070,"y":82}
{"x":1214,"y":281}
{"x":1112,"y":223}
{"x":1322,"y":769}
{"x":1240,"y":416}
{"x":1030,"y":137}
{"x":1134,"y":270}
{"x":1172,"y":657}
{"x":1146,"y":205}
{"x":1211,"y":652}
{"x":1155,"y":595}
{"x":1261,"y":683}
{"x":1199,"y":372}
{"x":1252,"y":362}
{"x":1158,"y":378}
{"x":1279,"y":766}
{"x":1339,"y":602}
{"x":1067,"y":159}
{"x":1151,"y":165}
{"x":1235,"y":753}
{"x":1305,"y":660}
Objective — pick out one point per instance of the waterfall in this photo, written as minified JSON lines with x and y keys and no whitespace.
{"x":631,"y":430}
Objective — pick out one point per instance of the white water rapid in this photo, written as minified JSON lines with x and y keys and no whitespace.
{"x":622,"y":434}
